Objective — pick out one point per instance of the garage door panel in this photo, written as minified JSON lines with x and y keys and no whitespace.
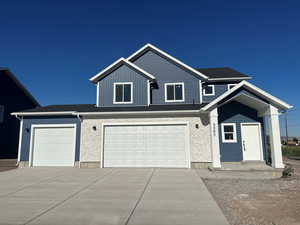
{"x":145,"y":146}
{"x":53,"y":146}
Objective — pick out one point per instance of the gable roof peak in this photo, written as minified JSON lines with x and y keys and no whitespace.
{"x":167,"y":56}
{"x":117,"y":63}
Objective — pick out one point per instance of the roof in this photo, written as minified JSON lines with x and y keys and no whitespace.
{"x":252,"y":88}
{"x":222,"y":73}
{"x":19,"y":85}
{"x":115,"y":65}
{"x":91,"y":108}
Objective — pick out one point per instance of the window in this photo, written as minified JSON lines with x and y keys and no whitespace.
{"x":123,"y":93}
{"x":174,"y":92}
{"x":1,"y":113}
{"x":228,"y":132}
{"x":230,"y":86}
{"x":209,"y":90}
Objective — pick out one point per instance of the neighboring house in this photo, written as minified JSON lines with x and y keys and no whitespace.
{"x":153,"y":110}
{"x":13,"y":97}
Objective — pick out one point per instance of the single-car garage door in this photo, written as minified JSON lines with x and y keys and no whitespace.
{"x":53,"y":145}
{"x":146,"y":146}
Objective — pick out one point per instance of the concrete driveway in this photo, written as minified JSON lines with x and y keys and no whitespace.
{"x":106,"y":196}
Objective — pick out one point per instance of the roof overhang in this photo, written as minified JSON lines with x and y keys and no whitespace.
{"x":115,"y":65}
{"x":166,"y":55}
{"x":281,"y":105}
{"x":74,"y":113}
{"x":229,"y":79}
{"x":63,"y":113}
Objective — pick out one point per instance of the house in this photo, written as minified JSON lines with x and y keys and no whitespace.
{"x":13,"y":97}
{"x":153,"y":110}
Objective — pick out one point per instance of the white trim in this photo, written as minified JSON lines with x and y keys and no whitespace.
{"x":131,"y":90}
{"x":187,"y":136}
{"x":33,"y":126}
{"x":42,"y":113}
{"x":252,"y":88}
{"x":97,"y":93}
{"x":138,"y":112}
{"x":200,"y":92}
{"x":116,"y":63}
{"x":167,"y":56}
{"x":234,"y":133}
{"x":230,"y":78}
{"x":260,"y":139}
{"x":228,"y":86}
{"x":20,"y":140}
{"x":209,"y":94}
{"x":148,"y":92}
{"x":183,"y":96}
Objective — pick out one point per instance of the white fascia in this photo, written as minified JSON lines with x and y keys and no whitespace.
{"x":253,"y":88}
{"x":169,"y":57}
{"x":135,"y":112}
{"x":116,"y":63}
{"x":42,"y":113}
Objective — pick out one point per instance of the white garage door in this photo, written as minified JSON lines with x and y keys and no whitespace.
{"x":146,"y":146}
{"x":53,"y":146}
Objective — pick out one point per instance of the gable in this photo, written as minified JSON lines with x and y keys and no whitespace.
{"x":149,"y":47}
{"x":162,"y":66}
{"x":114,"y":66}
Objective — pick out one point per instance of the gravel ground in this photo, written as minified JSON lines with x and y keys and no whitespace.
{"x":259,"y":202}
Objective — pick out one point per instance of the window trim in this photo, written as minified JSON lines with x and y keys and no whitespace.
{"x":131,"y":91}
{"x":228,"y":86}
{"x":209,"y":94}
{"x":234,"y":140}
{"x":183,"y":97}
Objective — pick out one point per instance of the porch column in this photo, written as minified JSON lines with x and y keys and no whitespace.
{"x":214,"y":137}
{"x":275,"y":141}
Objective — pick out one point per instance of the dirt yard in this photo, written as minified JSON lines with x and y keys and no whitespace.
{"x":259,"y":202}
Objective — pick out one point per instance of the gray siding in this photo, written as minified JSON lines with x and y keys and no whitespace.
{"x":167,"y":72}
{"x":238,"y":113}
{"x":28,"y":121}
{"x":220,"y":88}
{"x":123,"y":74}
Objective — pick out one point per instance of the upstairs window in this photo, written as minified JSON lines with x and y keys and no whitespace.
{"x":123,"y":93}
{"x":209,"y":90}
{"x":1,"y":113}
{"x":230,"y":86}
{"x":228,"y":132}
{"x":174,"y":92}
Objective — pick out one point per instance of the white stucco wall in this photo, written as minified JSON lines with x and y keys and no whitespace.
{"x":91,"y":140}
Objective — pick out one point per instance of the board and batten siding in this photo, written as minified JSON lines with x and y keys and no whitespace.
{"x":26,"y":132}
{"x":123,"y":74}
{"x":235,"y":112}
{"x":167,"y":72}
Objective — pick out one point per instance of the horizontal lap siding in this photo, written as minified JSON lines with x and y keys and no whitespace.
{"x":123,"y":74}
{"x":167,"y":72}
{"x":237,"y":113}
{"x":28,"y":121}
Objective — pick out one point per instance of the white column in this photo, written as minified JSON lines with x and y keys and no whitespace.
{"x":275,"y":140}
{"x":97,"y":93}
{"x":20,"y":140}
{"x":214,"y":137}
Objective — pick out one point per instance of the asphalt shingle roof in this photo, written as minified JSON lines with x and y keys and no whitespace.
{"x":93,"y":108}
{"x":221,"y":72}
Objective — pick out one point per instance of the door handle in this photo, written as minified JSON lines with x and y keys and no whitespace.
{"x":244,"y":146}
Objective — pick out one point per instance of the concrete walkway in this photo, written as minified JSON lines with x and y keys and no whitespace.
{"x":51,"y":196}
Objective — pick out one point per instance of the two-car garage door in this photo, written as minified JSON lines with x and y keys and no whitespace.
{"x":146,"y":146}
{"x":53,"y":145}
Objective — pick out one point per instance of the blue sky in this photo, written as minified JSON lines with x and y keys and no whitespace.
{"x":54,"y":47}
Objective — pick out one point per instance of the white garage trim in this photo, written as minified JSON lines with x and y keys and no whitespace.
{"x":33,"y":126}
{"x":187,"y":135}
